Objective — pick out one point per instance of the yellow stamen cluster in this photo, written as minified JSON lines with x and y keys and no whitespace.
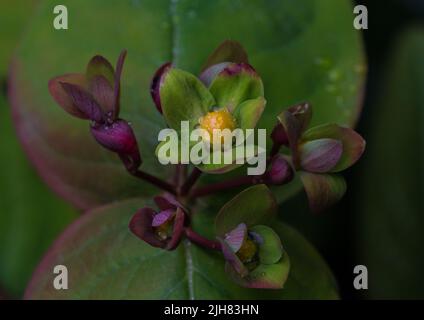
{"x":164,"y":230}
{"x":220,"y":119}
{"x":247,"y":251}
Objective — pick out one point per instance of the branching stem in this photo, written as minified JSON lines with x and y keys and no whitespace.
{"x":201,"y":241}
{"x":225,"y":185}
{"x":154,"y":181}
{"x":190,"y":182}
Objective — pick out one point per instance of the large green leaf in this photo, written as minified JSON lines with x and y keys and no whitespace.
{"x":31,"y":216}
{"x":13,"y":18}
{"x":295,"y":46}
{"x":390,"y":199}
{"x":105,"y":260}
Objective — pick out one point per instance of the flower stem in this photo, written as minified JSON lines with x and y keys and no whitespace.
{"x":154,"y":181}
{"x":191,"y":180}
{"x":225,"y":185}
{"x":201,"y":241}
{"x":133,"y":170}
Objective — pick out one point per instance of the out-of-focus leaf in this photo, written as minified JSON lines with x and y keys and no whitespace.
{"x":390,"y":187}
{"x":294,"y":46}
{"x":31,"y":216}
{"x":106,"y":261}
{"x":14,"y":15}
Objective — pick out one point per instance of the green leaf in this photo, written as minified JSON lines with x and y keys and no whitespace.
{"x":105,"y":261}
{"x":253,"y":206}
{"x":353,"y":143}
{"x":184,"y":98}
{"x":289,"y":44}
{"x":323,"y":190}
{"x":270,"y":248}
{"x":13,"y":20}
{"x":389,"y":184}
{"x":31,"y":216}
{"x":249,"y":112}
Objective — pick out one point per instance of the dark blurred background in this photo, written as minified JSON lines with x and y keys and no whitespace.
{"x":380,"y":221}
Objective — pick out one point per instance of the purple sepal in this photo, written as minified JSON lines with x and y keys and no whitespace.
{"x":232,"y":259}
{"x":167,"y":201}
{"x":157,"y":83}
{"x":141,"y":226}
{"x":237,"y":68}
{"x":321,"y":155}
{"x":303,"y":113}
{"x":84,"y":101}
{"x":279,"y":135}
{"x":102,"y":92}
{"x":236,"y":237}
{"x":210,"y":73}
{"x":257,"y":238}
{"x":117,"y":85}
{"x":178,"y":230}
{"x":162,"y":217}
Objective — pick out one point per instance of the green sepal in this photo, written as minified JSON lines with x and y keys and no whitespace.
{"x":184,"y":98}
{"x":270,"y":247}
{"x":236,"y":84}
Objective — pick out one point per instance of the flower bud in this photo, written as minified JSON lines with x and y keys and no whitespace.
{"x":255,"y":257}
{"x":118,"y":137}
{"x":279,"y":136}
{"x":163,"y":229}
{"x":280,"y":171}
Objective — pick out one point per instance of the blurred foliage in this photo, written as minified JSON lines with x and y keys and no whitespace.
{"x":31,"y":216}
{"x":295,"y":47}
{"x":389,"y":204}
{"x":14,"y":15}
{"x":108,"y":262}
{"x":381,"y":219}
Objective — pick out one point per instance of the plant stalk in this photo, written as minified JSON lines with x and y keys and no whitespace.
{"x":154,"y":181}
{"x":225,"y":185}
{"x":202,"y":241}
{"x":191,"y":180}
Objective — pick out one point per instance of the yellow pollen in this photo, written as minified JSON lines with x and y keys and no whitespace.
{"x":164,"y":230}
{"x":247,"y":251}
{"x":220,"y":119}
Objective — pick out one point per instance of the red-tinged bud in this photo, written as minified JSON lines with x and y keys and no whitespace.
{"x":118,"y":137}
{"x":163,"y":229}
{"x":157,"y":83}
{"x":279,"y":136}
{"x":280,"y":171}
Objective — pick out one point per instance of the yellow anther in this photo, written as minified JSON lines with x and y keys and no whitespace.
{"x":220,"y":119}
{"x":247,"y":251}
